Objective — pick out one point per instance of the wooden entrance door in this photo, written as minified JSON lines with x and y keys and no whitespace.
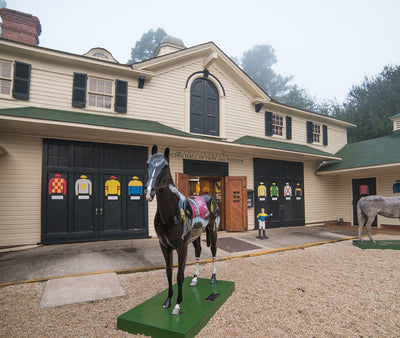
{"x":182,"y":183}
{"x":236,"y":203}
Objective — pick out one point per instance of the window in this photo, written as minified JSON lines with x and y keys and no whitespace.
{"x":15,"y":82}
{"x":5,"y":77}
{"x":204,"y":108}
{"x":100,"y":93}
{"x":277,"y":125}
{"x":316,"y":133}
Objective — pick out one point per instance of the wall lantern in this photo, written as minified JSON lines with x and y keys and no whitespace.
{"x":258,"y":107}
{"x":141,"y":81}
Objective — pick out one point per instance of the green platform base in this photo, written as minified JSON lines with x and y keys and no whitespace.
{"x":151,"y":319}
{"x":381,"y":245}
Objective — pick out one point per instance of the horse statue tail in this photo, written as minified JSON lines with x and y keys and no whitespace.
{"x":360,"y":214}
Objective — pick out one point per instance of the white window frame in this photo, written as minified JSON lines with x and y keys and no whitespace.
{"x":278,"y":125}
{"x":99,"y":93}
{"x":4,"y":78}
{"x":317,"y":133}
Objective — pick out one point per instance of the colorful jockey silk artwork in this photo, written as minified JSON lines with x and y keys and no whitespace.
{"x":83,"y":187}
{"x":112,"y":188}
{"x":262,"y":191}
{"x":298,"y":192}
{"x":364,"y":190}
{"x":135,"y":188}
{"x":287,"y":191}
{"x":57,"y":187}
{"x":274,"y":191}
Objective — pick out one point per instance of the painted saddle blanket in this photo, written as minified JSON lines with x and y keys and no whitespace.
{"x":198,"y":219}
{"x":198,"y":206}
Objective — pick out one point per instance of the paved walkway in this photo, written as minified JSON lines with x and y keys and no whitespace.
{"x":55,"y":261}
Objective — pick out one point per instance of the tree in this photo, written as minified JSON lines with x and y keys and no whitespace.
{"x":145,"y":47}
{"x":3,"y":3}
{"x":257,"y":63}
{"x":370,"y":104}
{"x":298,"y":97}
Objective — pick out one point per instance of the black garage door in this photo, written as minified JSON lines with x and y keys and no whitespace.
{"x":92,"y":191}
{"x":278,"y":188}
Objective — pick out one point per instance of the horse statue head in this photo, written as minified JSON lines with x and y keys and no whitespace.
{"x":158,"y":173}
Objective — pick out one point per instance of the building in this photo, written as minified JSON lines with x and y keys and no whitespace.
{"x":370,"y":167}
{"x":76,"y":131}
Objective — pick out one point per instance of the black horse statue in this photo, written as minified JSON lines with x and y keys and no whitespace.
{"x":179,"y":221}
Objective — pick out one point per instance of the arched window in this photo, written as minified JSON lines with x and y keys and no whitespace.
{"x":204,"y":108}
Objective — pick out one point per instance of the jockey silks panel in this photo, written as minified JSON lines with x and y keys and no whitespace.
{"x":92,"y":191}
{"x":278,"y":188}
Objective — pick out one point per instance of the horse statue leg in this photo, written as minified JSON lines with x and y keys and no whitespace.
{"x":197,"y":250}
{"x":368,"y":226}
{"x":182,"y":255}
{"x":212,"y":242}
{"x":362,"y":218}
{"x":168,"y":257}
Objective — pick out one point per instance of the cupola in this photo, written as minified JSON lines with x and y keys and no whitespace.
{"x":169,"y":44}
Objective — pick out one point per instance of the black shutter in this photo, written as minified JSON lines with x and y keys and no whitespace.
{"x":268,"y":123}
{"x":79,"y":90}
{"x":121,"y":96}
{"x":310,"y":138}
{"x":288,"y":127}
{"x":22,"y":76}
{"x":325,"y":135}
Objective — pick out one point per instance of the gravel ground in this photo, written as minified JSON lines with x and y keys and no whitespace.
{"x":332,"y":290}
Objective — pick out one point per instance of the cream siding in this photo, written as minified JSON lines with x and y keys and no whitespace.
{"x":318,"y":193}
{"x":20,"y":186}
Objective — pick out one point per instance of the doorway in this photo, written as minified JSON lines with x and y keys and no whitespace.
{"x":279,"y":189}
{"x":92,"y":191}
{"x":207,"y":177}
{"x":362,"y":187}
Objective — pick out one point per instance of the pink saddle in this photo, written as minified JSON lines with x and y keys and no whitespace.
{"x":198,"y":206}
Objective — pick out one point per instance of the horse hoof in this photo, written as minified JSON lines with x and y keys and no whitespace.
{"x":176,"y":310}
{"x":193,"y":282}
{"x":167,"y":304}
{"x":213,"y":279}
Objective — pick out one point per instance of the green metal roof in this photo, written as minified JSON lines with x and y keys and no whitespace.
{"x":150,"y":126}
{"x":394,"y":116}
{"x":377,"y":151}
{"x":92,"y":119}
{"x":266,"y":143}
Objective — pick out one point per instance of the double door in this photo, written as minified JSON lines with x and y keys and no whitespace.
{"x":279,"y":191}
{"x":92,"y":192}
